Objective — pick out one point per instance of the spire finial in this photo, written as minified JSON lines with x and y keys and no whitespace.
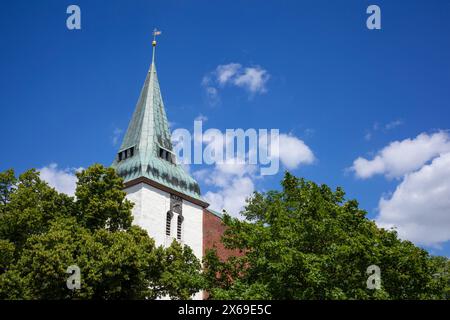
{"x":156,"y":32}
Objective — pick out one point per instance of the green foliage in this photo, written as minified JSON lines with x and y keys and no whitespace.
{"x":43,"y":232}
{"x":441,"y":276}
{"x":179,"y":275}
{"x":101,"y":201}
{"x":303,"y":242}
{"x":308,"y":242}
{"x":7,"y":180}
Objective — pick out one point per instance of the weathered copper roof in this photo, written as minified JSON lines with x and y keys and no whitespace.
{"x":148,"y":133}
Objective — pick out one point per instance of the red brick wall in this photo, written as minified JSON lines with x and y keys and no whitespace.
{"x":212,"y":232}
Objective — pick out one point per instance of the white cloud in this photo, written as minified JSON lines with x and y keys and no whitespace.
{"x":62,"y":180}
{"x":212,"y":96}
{"x":186,"y":167}
{"x":402,"y":157}
{"x":252,"y":79}
{"x":234,"y":183}
{"x":393,"y":124}
{"x":231,"y":198}
{"x":231,"y":179}
{"x":383,"y":128}
{"x":117,"y":133}
{"x":225,"y":173}
{"x":201,"y":117}
{"x":201,"y":174}
{"x":172,"y":124}
{"x":227,"y":72}
{"x":234,"y":179}
{"x":419,"y":208}
{"x":294,"y":152}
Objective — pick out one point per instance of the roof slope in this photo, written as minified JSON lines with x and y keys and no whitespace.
{"x":148,"y":134}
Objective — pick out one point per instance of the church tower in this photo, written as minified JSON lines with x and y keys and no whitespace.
{"x":167,"y":201}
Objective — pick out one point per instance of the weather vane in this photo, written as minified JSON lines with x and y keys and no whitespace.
{"x":156,"y":32}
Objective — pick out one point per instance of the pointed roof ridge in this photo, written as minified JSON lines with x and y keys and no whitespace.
{"x":146,"y":150}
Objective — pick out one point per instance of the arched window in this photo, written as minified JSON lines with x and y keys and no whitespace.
{"x":179,"y":226}
{"x":168,"y":222}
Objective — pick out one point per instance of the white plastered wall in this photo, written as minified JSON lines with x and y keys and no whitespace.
{"x":149,"y":212}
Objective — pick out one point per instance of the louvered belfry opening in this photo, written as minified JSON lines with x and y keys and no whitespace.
{"x":168,"y":222}
{"x":179,"y":226}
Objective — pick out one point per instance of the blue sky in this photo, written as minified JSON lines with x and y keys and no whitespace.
{"x":343,"y":90}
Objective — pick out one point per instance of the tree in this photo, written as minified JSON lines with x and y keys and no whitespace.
{"x":43,"y":232}
{"x":307,"y":242}
{"x":441,"y":277}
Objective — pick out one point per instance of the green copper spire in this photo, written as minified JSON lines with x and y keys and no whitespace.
{"x":146,"y":150}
